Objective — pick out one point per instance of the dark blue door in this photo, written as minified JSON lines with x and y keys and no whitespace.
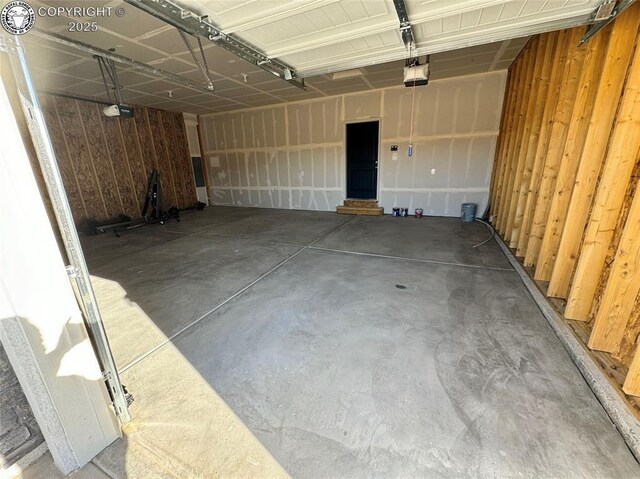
{"x":362,"y":160}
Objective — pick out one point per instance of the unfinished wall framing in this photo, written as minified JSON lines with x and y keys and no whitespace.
{"x":106,"y":162}
{"x":292,"y":156}
{"x":565,"y":179}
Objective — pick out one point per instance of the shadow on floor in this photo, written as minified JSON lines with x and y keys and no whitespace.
{"x":328,"y":346}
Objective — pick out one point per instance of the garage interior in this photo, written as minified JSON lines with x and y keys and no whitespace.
{"x":286,"y":323}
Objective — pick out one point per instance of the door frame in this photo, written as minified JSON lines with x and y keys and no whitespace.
{"x":194,"y":121}
{"x":344,"y":154}
{"x":195,"y":183}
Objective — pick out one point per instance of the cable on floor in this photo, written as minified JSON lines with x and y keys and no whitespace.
{"x":493,"y":233}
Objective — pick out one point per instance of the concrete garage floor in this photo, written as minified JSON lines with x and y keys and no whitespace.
{"x":261,"y":343}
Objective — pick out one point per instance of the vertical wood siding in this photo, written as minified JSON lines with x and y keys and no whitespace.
{"x":564,"y":187}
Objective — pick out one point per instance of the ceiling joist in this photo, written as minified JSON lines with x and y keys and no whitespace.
{"x":198,"y":26}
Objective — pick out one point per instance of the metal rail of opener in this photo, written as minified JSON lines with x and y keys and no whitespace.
{"x":77,"y":268}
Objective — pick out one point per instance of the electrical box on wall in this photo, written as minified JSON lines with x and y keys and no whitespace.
{"x":394,"y":152}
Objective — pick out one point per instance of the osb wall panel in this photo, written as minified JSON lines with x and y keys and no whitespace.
{"x":105,"y":162}
{"x":582,"y":242}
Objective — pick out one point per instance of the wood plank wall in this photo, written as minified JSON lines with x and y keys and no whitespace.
{"x":106,"y":162}
{"x":565,"y":179}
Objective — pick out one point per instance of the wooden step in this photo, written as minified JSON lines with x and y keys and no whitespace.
{"x":352,"y":210}
{"x":352,"y":203}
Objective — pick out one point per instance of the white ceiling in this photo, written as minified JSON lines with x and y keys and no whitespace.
{"x":315,"y":37}
{"x":319,"y":36}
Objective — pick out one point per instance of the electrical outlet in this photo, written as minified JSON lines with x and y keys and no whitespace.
{"x":433,"y":171}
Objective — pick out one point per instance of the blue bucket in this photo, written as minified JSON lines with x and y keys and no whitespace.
{"x":468,"y":212}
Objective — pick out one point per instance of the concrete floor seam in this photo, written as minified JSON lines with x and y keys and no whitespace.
{"x":208,"y":235}
{"x":376,"y":255}
{"x":230,"y":298}
{"x":275,"y":355}
{"x":203,"y":316}
{"x":333,"y":230}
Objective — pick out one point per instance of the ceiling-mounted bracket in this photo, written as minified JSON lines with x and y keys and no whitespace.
{"x":201,"y":62}
{"x":200,"y":26}
{"x":406,"y":32}
{"x":130,"y":62}
{"x":607,"y":12}
{"x":110,"y":78}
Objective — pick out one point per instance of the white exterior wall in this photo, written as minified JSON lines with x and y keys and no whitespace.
{"x":292,"y":155}
{"x":41,"y":327}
